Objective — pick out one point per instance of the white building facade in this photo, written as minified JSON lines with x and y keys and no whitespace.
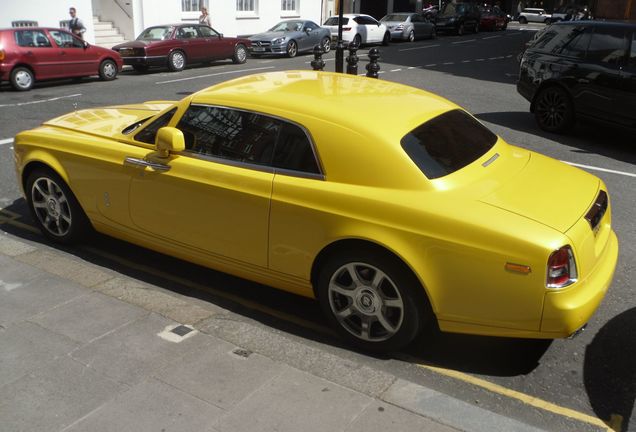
{"x":130,"y":17}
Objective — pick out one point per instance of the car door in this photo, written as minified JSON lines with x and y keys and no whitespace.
{"x":627,"y":106}
{"x":373,"y":29}
{"x":215,"y":196}
{"x":311,"y":29}
{"x":192,"y":43}
{"x":418,"y":25}
{"x":37,"y":50}
{"x":77,"y":58}
{"x":215,"y":46}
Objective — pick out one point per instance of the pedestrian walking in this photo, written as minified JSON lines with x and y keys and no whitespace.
{"x":204,"y":18}
{"x":75,"y":24}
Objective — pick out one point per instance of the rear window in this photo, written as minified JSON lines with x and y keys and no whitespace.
{"x":333,"y":21}
{"x":447,"y":143}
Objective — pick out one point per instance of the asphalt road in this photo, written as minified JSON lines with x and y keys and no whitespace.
{"x":563,"y":385}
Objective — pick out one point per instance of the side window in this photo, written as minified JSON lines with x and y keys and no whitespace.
{"x":294,"y":152}
{"x":150,"y":132}
{"x":66,"y":40}
{"x":311,"y":25}
{"x":32,"y":38}
{"x":205,"y":31}
{"x":187,"y":32}
{"x":229,"y":134}
{"x":577,"y":45}
{"x":607,"y":46}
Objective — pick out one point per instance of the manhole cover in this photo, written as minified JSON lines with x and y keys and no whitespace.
{"x":181,"y":330}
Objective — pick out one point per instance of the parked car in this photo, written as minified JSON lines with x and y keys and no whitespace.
{"x":534,"y":15}
{"x":458,"y":17}
{"x":581,"y":69}
{"x":33,"y":54}
{"x":177,"y":45}
{"x":395,"y":216}
{"x":493,"y":18}
{"x":360,"y":29}
{"x":408,"y":26}
{"x":290,"y":37}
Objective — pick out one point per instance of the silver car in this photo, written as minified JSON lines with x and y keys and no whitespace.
{"x":534,"y":15}
{"x":408,"y":26}
{"x":289,"y":38}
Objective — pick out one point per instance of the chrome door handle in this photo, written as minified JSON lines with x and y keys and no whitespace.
{"x":146,"y":164}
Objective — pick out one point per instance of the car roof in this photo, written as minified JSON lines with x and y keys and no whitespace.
{"x":33,"y":28}
{"x":374,"y":107}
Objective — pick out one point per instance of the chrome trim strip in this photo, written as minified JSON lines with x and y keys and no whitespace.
{"x":491,"y":160}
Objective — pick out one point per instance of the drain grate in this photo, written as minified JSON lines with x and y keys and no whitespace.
{"x":181,"y":330}
{"x":242,"y":352}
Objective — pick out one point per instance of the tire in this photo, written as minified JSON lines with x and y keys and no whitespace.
{"x":357,"y":40}
{"x":523,"y":20}
{"x":433,"y":33}
{"x":240,"y":54}
{"x":108,"y":70}
{"x":292,"y":49}
{"x":553,"y":110}
{"x":176,"y":61}
{"x":374,"y":316}
{"x":22,"y":78}
{"x":547,"y":21}
{"x":140,"y":68}
{"x":411,"y":36}
{"x":54,"y":208}
{"x":460,"y":30}
{"x":386,"y":39}
{"x":326,"y":45}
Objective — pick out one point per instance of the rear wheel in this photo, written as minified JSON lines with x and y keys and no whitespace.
{"x":292,"y":49}
{"x":523,"y":20}
{"x":357,"y":40}
{"x":176,"y":61}
{"x":370,"y":300}
{"x":553,"y":110}
{"x":55,"y":208}
{"x":240,"y":54}
{"x":22,"y":78}
{"x":108,"y":70}
{"x":326,"y":45}
{"x":548,"y":21}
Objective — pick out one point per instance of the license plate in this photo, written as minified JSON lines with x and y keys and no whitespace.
{"x":258,"y":49}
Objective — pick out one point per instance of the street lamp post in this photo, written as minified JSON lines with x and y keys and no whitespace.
{"x":340,"y":45}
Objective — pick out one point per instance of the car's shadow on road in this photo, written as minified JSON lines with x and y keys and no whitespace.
{"x":286,"y":312}
{"x":609,"y":370}
{"x":585,"y":137}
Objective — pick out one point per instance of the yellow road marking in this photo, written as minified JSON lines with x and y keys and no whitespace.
{"x":526,"y":399}
{"x":614,"y":424}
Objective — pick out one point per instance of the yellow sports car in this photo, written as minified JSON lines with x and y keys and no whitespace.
{"x":392,"y":206}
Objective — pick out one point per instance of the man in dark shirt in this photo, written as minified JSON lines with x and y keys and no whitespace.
{"x":75,"y":24}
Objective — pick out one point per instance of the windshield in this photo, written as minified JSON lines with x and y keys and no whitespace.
{"x":156,"y":33}
{"x":333,"y":21}
{"x":453,"y":9}
{"x":287,"y":26}
{"x":447,"y":143}
{"x":395,"y":17}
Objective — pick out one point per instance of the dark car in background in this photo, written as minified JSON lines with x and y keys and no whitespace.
{"x":32,"y":54}
{"x":290,"y":37}
{"x":177,"y":45}
{"x":458,"y":18}
{"x":408,"y":26}
{"x":493,"y":18}
{"x":581,"y":69}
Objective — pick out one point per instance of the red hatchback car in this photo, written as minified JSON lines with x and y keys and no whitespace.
{"x":175,"y":45}
{"x":31,"y":53}
{"x":493,"y":18}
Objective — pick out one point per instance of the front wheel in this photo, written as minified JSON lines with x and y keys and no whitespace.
{"x":357,"y":40}
{"x":553,"y":110}
{"x":54,"y":207}
{"x":108,"y":70}
{"x":370,"y":300}
{"x":523,"y":20}
{"x":176,"y":61}
{"x":411,"y":36}
{"x":22,"y":79}
{"x":292,"y":49}
{"x":240,"y":54}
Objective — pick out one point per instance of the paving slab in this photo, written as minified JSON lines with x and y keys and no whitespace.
{"x":12,"y":247}
{"x":53,"y":398}
{"x":26,"y":347}
{"x":383,"y":417}
{"x":220,"y":373}
{"x":88,"y":317}
{"x":295,"y":401}
{"x":134,"y":351}
{"x":150,"y":406}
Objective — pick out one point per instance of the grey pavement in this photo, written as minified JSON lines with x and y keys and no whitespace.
{"x":84,"y":348}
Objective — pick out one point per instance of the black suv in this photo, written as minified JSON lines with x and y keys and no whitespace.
{"x":458,"y":17}
{"x":581,"y":69}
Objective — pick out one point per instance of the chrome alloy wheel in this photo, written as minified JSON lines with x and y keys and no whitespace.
{"x":366,"y":302}
{"x":110,"y":70}
{"x":51,"y":206}
{"x":178,"y":60}
{"x":23,"y":79}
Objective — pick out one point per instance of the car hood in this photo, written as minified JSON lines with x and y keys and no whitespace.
{"x":269,"y":35}
{"x":547,"y":191}
{"x":108,"y":121}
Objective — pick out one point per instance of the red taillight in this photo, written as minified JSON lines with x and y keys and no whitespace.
{"x":1,"y":54}
{"x":346,"y":28}
{"x":561,"y":268}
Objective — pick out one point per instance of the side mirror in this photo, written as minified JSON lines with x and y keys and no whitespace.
{"x":169,"y":140}
{"x":86,"y":44}
{"x":308,"y":30}
{"x":220,"y":35}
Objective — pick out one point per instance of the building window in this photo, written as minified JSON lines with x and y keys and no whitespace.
{"x":246,"y":5}
{"x":193,"y":5}
{"x":289,"y":6}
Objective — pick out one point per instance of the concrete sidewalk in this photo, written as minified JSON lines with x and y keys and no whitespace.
{"x":84,"y":348}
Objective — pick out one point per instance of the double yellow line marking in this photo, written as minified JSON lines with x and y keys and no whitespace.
{"x":614,"y":423}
